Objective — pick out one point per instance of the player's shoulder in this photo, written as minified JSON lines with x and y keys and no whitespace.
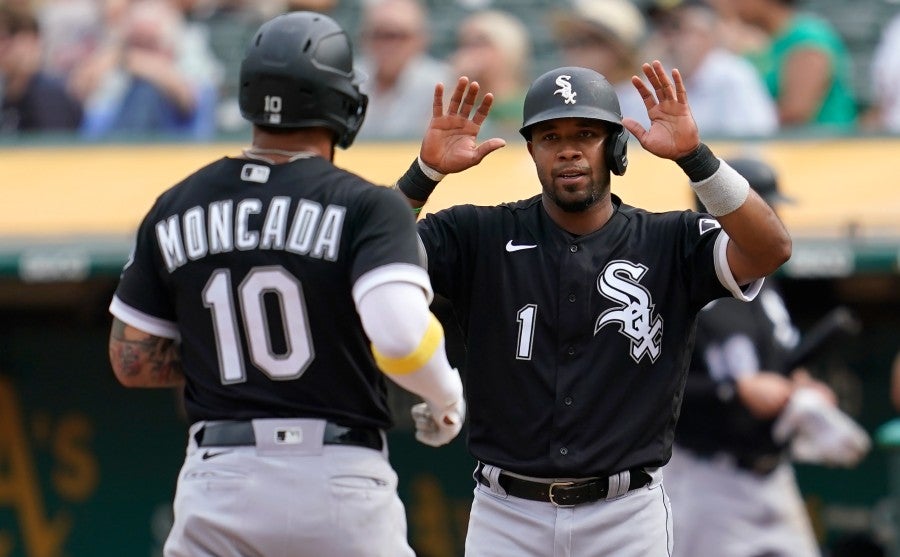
{"x":511,"y":208}
{"x":662,"y":218}
{"x":521,"y":206}
{"x":474,"y":218}
{"x":347,"y":183}
{"x":189,"y":185}
{"x":672,"y":223}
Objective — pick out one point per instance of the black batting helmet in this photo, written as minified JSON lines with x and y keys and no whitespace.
{"x":297,"y":72}
{"x":574,"y":92}
{"x":761,"y":176}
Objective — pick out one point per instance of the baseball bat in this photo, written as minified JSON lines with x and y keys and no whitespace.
{"x":838,"y":321}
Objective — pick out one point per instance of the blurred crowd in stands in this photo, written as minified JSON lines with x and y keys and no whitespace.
{"x":100,"y":70}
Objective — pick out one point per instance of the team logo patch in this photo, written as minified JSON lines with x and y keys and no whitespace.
{"x":619,"y":282}
{"x":565,"y":89}
{"x":707,"y":224}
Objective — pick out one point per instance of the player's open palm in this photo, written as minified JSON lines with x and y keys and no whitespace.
{"x":451,"y":140}
{"x":673,"y":132}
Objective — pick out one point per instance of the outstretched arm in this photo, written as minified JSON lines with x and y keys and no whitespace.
{"x":759,"y":241}
{"x":451,"y":143}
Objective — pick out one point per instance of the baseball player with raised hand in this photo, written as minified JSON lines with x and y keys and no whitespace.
{"x":277,"y":290}
{"x":578,"y":310}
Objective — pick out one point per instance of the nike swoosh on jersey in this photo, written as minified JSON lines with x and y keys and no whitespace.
{"x":209,"y":454}
{"x":511,"y":247}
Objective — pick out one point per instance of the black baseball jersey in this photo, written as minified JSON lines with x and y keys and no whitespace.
{"x":252,"y":265}
{"x":577,"y":346}
{"x":734,"y":339}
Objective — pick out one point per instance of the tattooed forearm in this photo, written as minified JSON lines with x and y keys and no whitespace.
{"x":143,"y":360}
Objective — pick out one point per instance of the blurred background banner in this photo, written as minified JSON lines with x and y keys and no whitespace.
{"x":79,"y":206}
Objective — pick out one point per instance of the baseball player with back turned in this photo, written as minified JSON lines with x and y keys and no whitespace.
{"x":268,"y":286}
{"x":578,"y":310}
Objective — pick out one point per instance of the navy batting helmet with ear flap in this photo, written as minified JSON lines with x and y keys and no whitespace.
{"x":297,"y":72}
{"x":573,"y":92}
{"x":762,"y":178}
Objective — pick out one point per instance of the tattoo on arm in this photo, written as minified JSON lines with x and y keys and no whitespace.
{"x":143,"y":360}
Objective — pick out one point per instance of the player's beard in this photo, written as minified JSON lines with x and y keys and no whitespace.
{"x":574,"y":206}
{"x":596,"y":192}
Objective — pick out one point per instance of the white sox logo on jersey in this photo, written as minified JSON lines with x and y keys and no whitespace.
{"x":565,"y":89}
{"x":619,"y":283}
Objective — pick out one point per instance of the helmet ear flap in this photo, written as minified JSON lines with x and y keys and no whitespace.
{"x":356,"y":113}
{"x":617,"y":152}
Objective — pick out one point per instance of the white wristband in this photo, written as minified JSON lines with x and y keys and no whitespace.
{"x":723,"y":192}
{"x":430,"y":172}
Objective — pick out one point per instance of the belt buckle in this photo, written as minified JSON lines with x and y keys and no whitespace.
{"x":555,"y":485}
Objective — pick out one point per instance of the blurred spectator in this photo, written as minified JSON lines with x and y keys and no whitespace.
{"x":32,"y":100}
{"x":223,"y":29}
{"x":494,"y":49}
{"x":885,"y":70}
{"x":737,"y":35}
{"x":194,"y":55}
{"x":143,"y":83}
{"x":605,"y":36}
{"x":401,"y":74}
{"x":687,"y":35}
{"x":805,"y":66}
{"x":71,"y":30}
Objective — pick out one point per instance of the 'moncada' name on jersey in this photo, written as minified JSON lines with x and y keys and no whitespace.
{"x":312,"y":230}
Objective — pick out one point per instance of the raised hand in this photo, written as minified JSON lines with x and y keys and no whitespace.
{"x":673,"y":132}
{"x":450,"y":143}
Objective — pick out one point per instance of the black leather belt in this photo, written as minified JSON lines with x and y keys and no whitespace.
{"x":240,"y":433}
{"x":563,"y":494}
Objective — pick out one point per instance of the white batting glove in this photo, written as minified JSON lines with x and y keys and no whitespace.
{"x":819,"y":432}
{"x":438,"y":426}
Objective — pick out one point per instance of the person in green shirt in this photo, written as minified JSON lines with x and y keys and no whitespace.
{"x":806,"y":65}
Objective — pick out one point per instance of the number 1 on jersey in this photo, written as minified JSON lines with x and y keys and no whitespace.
{"x":526,"y":318}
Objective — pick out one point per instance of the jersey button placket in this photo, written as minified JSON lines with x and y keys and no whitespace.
{"x":563,"y":451}
{"x":573,"y":248}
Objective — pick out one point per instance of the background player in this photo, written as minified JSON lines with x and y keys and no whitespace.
{"x":577,"y":310}
{"x":732,"y":486}
{"x":257,"y":284}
